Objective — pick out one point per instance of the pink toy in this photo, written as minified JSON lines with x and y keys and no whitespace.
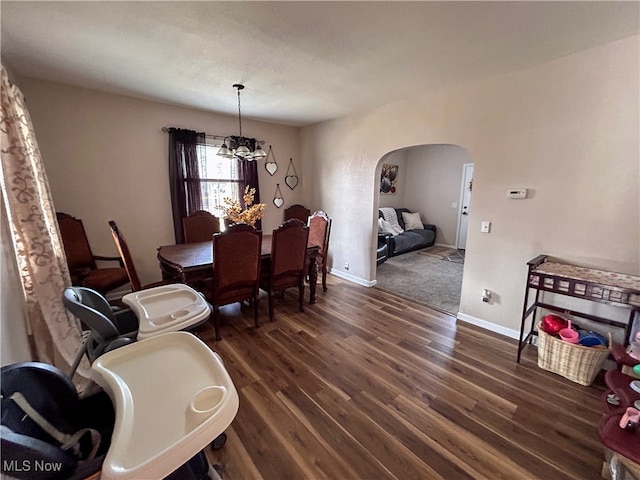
{"x":630,"y":419}
{"x":569,"y":334}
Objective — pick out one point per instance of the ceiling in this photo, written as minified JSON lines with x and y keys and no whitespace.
{"x":301,"y":62}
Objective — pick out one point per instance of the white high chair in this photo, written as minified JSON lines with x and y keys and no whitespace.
{"x":171,"y":393}
{"x":172,"y":397}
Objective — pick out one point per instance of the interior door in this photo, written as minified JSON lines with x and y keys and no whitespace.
{"x":465,"y":205}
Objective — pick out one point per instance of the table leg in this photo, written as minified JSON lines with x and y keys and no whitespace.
{"x":313,"y":278}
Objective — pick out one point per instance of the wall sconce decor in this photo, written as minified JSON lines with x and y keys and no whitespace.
{"x":291,"y":179}
{"x":278,"y":201}
{"x":270,"y":164}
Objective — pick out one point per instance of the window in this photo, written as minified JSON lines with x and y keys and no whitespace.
{"x":200,"y":180}
{"x":219,"y":179}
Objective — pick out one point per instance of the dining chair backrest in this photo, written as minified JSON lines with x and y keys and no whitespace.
{"x":288,"y":251}
{"x":81,"y":261}
{"x":297,"y":211}
{"x":236,"y":264}
{"x":75,"y":242}
{"x":286,"y":264}
{"x":319,"y":231}
{"x":125,"y":253}
{"x":236,"y":270}
{"x":200,"y":226}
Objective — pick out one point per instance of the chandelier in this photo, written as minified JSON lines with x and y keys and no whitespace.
{"x":239,"y":146}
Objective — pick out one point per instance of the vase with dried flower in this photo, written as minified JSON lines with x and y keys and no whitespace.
{"x":250,"y":214}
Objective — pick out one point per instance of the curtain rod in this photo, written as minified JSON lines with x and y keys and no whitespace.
{"x":216,"y":137}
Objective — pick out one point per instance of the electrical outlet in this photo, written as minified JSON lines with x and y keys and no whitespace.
{"x":346,"y":266}
{"x":486,"y":295}
{"x":485,"y":227}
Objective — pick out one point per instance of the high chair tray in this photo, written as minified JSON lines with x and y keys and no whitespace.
{"x":167,"y":308}
{"x":172,"y":396}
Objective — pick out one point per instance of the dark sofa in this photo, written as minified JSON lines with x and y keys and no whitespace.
{"x":408,"y":240}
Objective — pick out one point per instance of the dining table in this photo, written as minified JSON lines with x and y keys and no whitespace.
{"x":192,"y":262}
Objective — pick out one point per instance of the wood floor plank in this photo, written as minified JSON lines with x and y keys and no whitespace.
{"x":396,"y":458}
{"x":367,"y":385}
{"x":508,"y":386}
{"x":337,"y":436}
{"x":477,"y":457}
{"x":411,"y":438}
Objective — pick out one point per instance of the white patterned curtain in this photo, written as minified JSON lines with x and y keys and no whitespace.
{"x":55,"y":335}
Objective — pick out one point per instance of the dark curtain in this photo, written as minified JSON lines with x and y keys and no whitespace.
{"x":249,"y":177}
{"x":184,"y":176}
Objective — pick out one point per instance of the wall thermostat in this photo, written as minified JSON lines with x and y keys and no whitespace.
{"x":517,"y":193}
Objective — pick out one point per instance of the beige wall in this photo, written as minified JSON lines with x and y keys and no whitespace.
{"x":107,"y":159}
{"x":434,"y":180}
{"x":567,"y":130}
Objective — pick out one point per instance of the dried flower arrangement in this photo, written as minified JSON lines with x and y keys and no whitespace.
{"x":251,"y":214}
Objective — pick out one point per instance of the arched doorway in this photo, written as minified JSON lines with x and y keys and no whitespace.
{"x":429,"y":179}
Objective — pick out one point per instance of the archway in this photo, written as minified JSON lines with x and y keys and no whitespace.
{"x":428,"y":180}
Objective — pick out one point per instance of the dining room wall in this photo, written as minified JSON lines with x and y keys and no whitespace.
{"x":106,"y":158}
{"x":568,"y":130}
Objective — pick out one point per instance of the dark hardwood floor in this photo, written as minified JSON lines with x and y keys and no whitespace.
{"x":367,"y":385}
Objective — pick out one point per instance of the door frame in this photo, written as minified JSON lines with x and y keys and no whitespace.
{"x":462,"y":185}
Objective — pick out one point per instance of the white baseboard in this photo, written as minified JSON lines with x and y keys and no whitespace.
{"x":351,"y":278}
{"x":507,"y":332}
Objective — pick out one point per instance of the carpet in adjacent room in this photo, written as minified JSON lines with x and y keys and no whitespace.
{"x":444,"y":253}
{"x":426,"y":279}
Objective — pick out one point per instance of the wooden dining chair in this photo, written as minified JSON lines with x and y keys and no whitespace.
{"x":236,"y":270}
{"x":285,"y":268}
{"x":297,"y":211}
{"x":319,"y":230}
{"x":127,"y":258}
{"x":81,"y":261}
{"x":200,"y":226}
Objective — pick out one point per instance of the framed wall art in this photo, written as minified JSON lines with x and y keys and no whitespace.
{"x":388,"y":179}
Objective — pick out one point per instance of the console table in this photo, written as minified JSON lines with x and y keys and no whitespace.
{"x":617,"y":289}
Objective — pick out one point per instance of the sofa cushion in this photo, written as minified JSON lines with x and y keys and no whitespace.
{"x":412,"y":240}
{"x":426,"y":236}
{"x":399,"y":212}
{"x":412,"y":221}
{"x":407,"y":241}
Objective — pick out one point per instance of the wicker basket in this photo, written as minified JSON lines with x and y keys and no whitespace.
{"x":575,"y":362}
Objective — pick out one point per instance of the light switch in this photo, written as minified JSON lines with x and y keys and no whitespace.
{"x":517,"y":193}
{"x":485,"y":227}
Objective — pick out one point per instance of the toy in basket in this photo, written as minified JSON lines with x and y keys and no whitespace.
{"x":576,"y":362}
